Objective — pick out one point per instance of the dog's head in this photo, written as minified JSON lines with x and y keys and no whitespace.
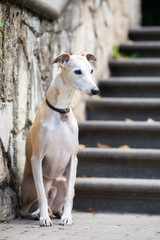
{"x":77,"y":71}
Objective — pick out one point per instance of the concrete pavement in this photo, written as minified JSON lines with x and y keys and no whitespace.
{"x":87,"y":226}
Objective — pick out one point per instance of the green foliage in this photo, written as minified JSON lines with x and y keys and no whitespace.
{"x":1,"y":26}
{"x":119,"y":55}
{"x":134,"y":55}
{"x":116,"y":53}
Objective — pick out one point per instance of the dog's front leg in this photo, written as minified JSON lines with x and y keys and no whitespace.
{"x":71,"y":170}
{"x":42,"y":199}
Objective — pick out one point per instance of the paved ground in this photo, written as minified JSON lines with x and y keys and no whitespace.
{"x":86,"y":226}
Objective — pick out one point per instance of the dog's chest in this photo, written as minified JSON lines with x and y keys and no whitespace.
{"x":61,"y":140}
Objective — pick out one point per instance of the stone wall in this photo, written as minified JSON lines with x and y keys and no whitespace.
{"x":28,"y":43}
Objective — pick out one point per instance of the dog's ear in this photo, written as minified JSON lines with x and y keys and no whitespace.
{"x":62,"y":59}
{"x":89,"y":56}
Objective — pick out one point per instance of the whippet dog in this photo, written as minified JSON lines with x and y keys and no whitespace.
{"x":52,"y":144}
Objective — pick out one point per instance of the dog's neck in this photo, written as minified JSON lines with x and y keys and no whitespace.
{"x":60,"y":94}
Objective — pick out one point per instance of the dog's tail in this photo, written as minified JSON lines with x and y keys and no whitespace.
{"x":32,"y":216}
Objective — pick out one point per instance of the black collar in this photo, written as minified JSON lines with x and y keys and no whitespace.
{"x":60,"y":110}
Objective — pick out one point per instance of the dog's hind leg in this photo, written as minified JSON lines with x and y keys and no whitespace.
{"x":58,"y":201}
{"x":51,"y":197}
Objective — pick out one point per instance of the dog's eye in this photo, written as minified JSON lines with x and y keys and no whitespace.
{"x":91,"y":71}
{"x":78,"y":72}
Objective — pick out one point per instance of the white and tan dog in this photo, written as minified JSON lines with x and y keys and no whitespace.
{"x":52,"y":144}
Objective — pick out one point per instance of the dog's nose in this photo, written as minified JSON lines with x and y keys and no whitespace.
{"x":94,"y":91}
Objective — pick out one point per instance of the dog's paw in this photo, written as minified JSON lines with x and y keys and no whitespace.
{"x":45,"y":222}
{"x":66,"y":220}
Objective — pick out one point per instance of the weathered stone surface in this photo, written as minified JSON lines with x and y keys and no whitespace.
{"x":8,"y":204}
{"x":107,"y":14}
{"x":84,"y":37}
{"x":72,"y":11}
{"x":45,"y":58}
{"x":114,"y":5}
{"x":30,"y":45}
{"x":102,"y":39}
{"x":22,"y":86}
{"x":11,"y":31}
{"x":20,"y":154}
{"x":35,"y":94}
{"x":17,"y":158}
{"x":49,"y":9}
{"x":135,"y":12}
{"x":6,"y":120}
{"x":121,"y":22}
{"x":97,"y":3}
{"x":2,"y":168}
{"x":32,"y":22}
{"x":126,"y":6}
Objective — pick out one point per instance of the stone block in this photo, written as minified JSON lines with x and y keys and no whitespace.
{"x":22,"y":87}
{"x":97,"y":4}
{"x":86,"y":8}
{"x":83,"y":37}
{"x":35,"y":95}
{"x":30,"y":45}
{"x":120,"y":26}
{"x":11,"y":31}
{"x":76,"y":14}
{"x":63,"y":23}
{"x":103,"y":43}
{"x":20,"y":154}
{"x":49,"y":9}
{"x":6,"y":120}
{"x":2,"y":168}
{"x":8,"y":204}
{"x":134,"y":13}
{"x":107,"y":14}
{"x":44,"y":58}
{"x":126,"y":7}
{"x":17,"y":156}
{"x":114,"y":5}
{"x":32,"y":22}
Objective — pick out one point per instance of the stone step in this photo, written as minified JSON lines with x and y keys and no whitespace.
{"x":130,"y":87}
{"x":141,"y":67}
{"x":119,"y":163}
{"x":142,"y":49}
{"x":145,"y":34}
{"x":137,"y":109}
{"x":117,"y":133}
{"x":112,"y":177}
{"x":118,"y":195}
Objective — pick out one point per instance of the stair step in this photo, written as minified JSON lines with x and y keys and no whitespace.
{"x":143,"y":49}
{"x":113,"y":178}
{"x":120,"y":108}
{"x":117,"y":133}
{"x":119,"y":163}
{"x":118,"y":195}
{"x":130,"y":87}
{"x":135,"y":67}
{"x":145,"y":34}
